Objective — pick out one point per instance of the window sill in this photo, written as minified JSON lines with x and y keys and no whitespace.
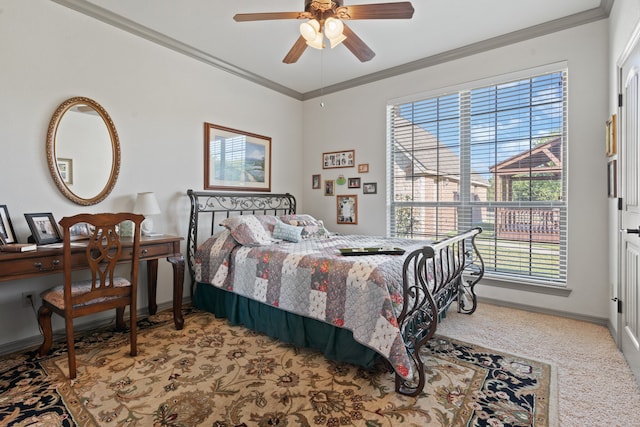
{"x":540,"y":288}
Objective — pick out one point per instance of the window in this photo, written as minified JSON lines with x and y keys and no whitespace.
{"x":492,"y":156}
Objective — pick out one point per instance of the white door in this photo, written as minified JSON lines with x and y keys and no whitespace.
{"x":628,"y":162}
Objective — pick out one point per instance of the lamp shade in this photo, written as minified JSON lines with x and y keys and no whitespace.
{"x":333,"y":28}
{"x":317,"y":42}
{"x":146,"y":204}
{"x":310,"y":30}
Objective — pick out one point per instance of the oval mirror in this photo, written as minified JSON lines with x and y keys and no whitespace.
{"x":83,"y":151}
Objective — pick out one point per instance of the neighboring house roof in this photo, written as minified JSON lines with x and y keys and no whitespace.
{"x":437,"y":158}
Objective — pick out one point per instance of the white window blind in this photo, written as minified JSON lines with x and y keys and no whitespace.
{"x":491,"y":156}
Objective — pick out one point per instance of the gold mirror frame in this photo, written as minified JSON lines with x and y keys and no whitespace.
{"x":51,"y":151}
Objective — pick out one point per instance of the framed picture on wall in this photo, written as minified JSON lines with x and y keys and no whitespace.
{"x":354,"y":183}
{"x":363,"y":168}
{"x":315,"y":182}
{"x":339,"y":159}
{"x":329,"y":186}
{"x":347,"y":209}
{"x":611,"y":139}
{"x":236,"y":160}
{"x":612,"y":179}
{"x":370,"y":188}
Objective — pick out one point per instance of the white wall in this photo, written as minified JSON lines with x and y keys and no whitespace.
{"x":158,"y":100}
{"x":355,"y":119}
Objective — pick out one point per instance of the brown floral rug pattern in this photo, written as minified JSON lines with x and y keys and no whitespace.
{"x":214,"y":374}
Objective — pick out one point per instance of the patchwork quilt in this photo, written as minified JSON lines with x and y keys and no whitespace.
{"x":312,"y":278}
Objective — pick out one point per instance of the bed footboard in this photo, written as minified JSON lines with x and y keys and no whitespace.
{"x":434,"y":277}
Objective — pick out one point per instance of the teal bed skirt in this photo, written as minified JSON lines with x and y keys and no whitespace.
{"x":335,"y":343}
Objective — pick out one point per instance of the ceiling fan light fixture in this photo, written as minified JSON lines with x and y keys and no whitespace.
{"x":317,"y":42}
{"x":325,"y":19}
{"x":335,"y":41}
{"x":333,"y":29}
{"x":310,"y":30}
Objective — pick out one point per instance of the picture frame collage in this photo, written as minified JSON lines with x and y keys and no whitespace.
{"x":346,"y":204}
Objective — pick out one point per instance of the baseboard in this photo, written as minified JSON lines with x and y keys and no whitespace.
{"x":591,"y":319}
{"x":36,"y":340}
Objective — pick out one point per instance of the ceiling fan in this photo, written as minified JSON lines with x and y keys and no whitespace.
{"x":328,"y":15}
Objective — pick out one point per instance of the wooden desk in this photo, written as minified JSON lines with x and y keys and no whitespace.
{"x":46,"y":261}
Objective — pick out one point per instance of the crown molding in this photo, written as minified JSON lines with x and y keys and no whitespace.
{"x":118,"y":21}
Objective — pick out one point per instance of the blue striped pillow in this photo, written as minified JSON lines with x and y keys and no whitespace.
{"x":287,"y":232}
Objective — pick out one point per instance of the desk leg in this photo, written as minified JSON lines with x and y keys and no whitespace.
{"x":152,"y":284}
{"x":177,"y":260}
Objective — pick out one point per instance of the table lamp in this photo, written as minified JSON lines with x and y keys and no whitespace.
{"x":147,"y":205}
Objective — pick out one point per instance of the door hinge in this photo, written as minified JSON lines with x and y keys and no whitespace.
{"x":619,"y":100}
{"x":619,"y":203}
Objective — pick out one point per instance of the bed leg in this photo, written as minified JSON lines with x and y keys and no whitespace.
{"x":409,"y":388}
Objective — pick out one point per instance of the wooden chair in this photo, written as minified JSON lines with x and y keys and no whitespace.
{"x":104,"y":290}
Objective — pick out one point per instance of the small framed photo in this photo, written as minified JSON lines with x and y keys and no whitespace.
{"x":347,"y":209}
{"x":354,"y":183}
{"x":329,"y":186}
{"x":370,"y":188}
{"x":65,"y":167}
{"x":315,"y":182}
{"x":612,"y":179}
{"x":6,"y":228}
{"x":611,"y":142}
{"x":363,"y":168}
{"x":338,"y":159}
{"x":43,"y":228}
{"x":80,"y":231}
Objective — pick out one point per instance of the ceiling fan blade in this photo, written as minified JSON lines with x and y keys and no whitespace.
{"x":242,"y":17}
{"x":357,"y":46}
{"x":399,"y":10}
{"x":296,"y":51}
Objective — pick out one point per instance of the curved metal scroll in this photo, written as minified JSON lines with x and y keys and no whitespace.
{"x":433,"y":277}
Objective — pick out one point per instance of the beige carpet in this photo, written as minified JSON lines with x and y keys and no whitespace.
{"x":596,"y":386}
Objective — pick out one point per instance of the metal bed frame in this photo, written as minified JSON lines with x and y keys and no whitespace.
{"x":433,"y":277}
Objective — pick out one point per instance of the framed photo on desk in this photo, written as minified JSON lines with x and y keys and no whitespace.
{"x":43,"y":228}
{"x":6,"y":228}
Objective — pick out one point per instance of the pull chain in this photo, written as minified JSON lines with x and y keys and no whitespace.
{"x":321,"y":78}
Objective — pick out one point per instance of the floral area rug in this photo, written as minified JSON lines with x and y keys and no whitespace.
{"x":214,"y":374}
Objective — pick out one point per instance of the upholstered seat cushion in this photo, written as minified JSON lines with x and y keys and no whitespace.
{"x":55,"y":295}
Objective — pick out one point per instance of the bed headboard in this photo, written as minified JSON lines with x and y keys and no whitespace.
{"x":209,"y":208}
